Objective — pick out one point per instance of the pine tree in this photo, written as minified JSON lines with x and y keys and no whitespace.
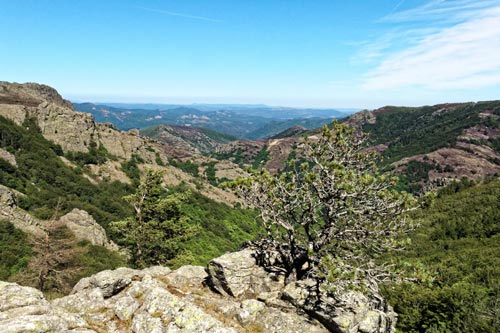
{"x":155,"y":233}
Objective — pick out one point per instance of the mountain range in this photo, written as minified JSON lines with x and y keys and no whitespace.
{"x":244,"y":121}
{"x":62,"y":167}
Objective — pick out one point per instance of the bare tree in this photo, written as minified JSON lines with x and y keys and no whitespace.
{"x":53,"y":264}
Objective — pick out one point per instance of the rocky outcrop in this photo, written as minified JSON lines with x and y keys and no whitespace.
{"x":233,"y":294}
{"x":73,"y":131}
{"x":20,"y":218}
{"x":8,"y":157}
{"x":83,"y":225}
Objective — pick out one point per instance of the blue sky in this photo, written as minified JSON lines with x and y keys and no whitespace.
{"x":296,"y":53}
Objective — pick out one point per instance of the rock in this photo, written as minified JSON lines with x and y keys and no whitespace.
{"x":237,"y":274}
{"x":352,"y":312}
{"x":159,"y":300}
{"x":187,"y":277}
{"x":5,"y":155}
{"x":14,"y":296}
{"x":34,"y":324}
{"x":125,"y":307}
{"x":83,"y":225}
{"x":109,"y":282}
{"x":250,"y":308}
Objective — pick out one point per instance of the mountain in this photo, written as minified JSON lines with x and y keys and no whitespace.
{"x":239,"y":121}
{"x":433,"y":145}
{"x":260,"y":110}
{"x":54,"y":160}
{"x":194,"y":139}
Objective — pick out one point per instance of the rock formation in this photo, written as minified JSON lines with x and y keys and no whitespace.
{"x":74,"y":131}
{"x":233,"y":294}
{"x":83,"y":225}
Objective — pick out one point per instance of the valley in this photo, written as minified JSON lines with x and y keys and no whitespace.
{"x":65,"y":178}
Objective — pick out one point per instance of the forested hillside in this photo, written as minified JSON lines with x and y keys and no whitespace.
{"x":458,"y":244}
{"x":432,"y":145}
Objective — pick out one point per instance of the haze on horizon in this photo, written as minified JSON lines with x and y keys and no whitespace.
{"x":291,"y":53}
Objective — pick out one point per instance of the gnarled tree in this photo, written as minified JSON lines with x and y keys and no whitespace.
{"x":332,"y":214}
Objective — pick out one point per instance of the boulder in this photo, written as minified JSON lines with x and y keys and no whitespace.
{"x":83,"y":225}
{"x":110,"y":282}
{"x":237,"y":274}
{"x":349,"y":313}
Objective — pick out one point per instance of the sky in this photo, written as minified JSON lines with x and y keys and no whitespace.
{"x":321,"y":53}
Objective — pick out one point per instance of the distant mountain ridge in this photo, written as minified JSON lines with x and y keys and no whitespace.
{"x":243,"y":121}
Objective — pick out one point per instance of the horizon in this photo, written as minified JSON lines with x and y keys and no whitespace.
{"x":325,"y":54}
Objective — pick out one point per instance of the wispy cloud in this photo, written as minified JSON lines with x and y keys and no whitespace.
{"x":193,"y":17}
{"x":399,"y":4}
{"x":461,"y":50}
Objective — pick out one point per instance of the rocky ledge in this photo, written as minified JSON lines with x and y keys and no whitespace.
{"x":233,"y":294}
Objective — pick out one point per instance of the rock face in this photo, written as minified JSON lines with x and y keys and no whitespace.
{"x":17,"y":216}
{"x":232,"y":294}
{"x":74,"y":131}
{"x":83,"y":225}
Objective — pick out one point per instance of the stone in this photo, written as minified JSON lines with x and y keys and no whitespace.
{"x":125,"y":307}
{"x":14,"y":296}
{"x":6,"y":156}
{"x":34,"y":324}
{"x":110,"y":282}
{"x":159,"y":300}
{"x":237,"y":274}
{"x":187,"y":277}
{"x":83,"y":225}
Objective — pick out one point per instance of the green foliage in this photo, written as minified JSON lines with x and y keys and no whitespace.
{"x":47,"y":181}
{"x":187,"y":166}
{"x":210,"y":173}
{"x":222,"y":228}
{"x":218,"y":136}
{"x":155,"y":233}
{"x":93,"y":259}
{"x":131,"y":169}
{"x":261,"y":158}
{"x":14,"y":249}
{"x":459,"y":243}
{"x":97,"y":154}
{"x":413,"y":131}
{"x":331,"y":211}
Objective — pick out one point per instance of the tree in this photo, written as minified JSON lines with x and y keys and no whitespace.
{"x":54,"y":264}
{"x":331,"y":216}
{"x":155,"y":233}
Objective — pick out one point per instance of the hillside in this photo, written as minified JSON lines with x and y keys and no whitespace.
{"x":434,"y":145}
{"x":458,"y":243}
{"x":54,"y":160}
{"x":192,"y":139}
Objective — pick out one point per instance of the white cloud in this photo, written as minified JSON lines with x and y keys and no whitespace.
{"x":462,"y":55}
{"x":193,"y":17}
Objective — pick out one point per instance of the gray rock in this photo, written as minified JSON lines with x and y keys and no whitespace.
{"x":109,"y":282}
{"x":5,"y":155}
{"x":350,"y":313}
{"x":83,"y":225}
{"x":34,"y":324}
{"x":158,"y":300}
{"x":125,"y":307}
{"x":187,"y":277}
{"x":14,"y":296}
{"x":237,"y":274}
